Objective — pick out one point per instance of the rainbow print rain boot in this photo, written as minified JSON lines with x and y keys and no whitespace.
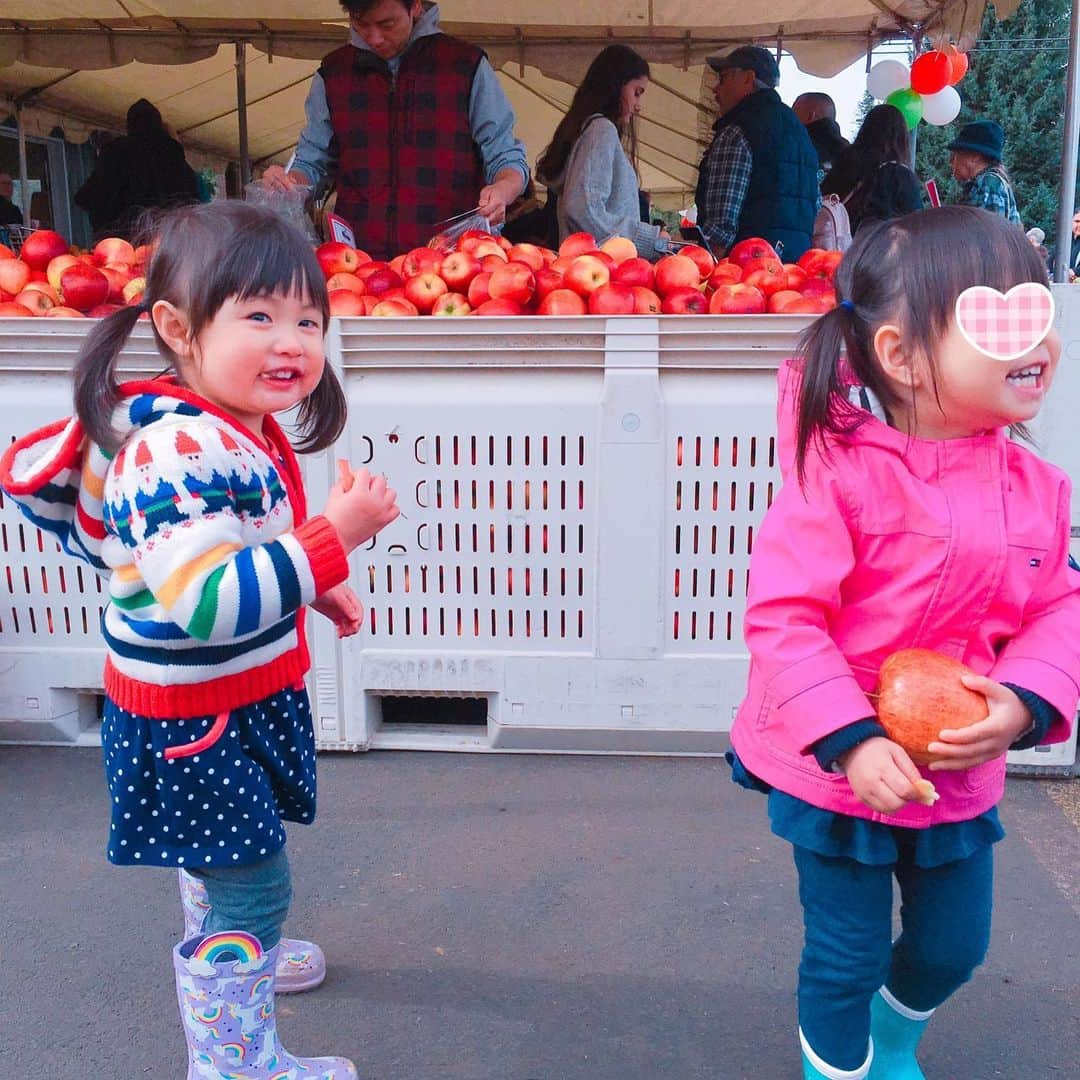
{"x":225,"y":987}
{"x":301,"y":965}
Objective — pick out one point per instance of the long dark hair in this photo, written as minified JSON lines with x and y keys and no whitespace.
{"x":204,"y":255}
{"x":908,"y":271}
{"x":883,"y":137}
{"x":599,"y":92}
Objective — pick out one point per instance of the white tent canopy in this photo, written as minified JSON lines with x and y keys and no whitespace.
{"x":92,"y":58}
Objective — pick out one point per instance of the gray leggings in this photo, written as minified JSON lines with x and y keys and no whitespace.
{"x":254,"y":898}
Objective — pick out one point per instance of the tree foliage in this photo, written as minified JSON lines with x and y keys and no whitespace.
{"x":1016,"y":77}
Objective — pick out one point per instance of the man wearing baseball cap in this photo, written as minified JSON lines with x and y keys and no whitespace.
{"x":759,"y":174}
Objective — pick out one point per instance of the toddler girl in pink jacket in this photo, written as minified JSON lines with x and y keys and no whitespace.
{"x":909,"y":519}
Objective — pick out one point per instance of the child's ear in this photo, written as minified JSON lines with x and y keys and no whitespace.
{"x":172,"y":326}
{"x":899,"y":367}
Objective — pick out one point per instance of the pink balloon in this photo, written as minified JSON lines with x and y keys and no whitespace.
{"x":931,"y":72}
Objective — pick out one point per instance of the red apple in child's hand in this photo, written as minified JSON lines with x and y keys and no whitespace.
{"x":920,"y":694}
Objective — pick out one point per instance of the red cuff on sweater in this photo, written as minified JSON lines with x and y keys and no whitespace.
{"x":329,"y":565}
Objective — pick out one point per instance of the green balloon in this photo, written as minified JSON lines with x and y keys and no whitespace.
{"x":909,"y":103}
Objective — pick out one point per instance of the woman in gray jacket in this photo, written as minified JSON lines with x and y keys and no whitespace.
{"x":590,"y":166}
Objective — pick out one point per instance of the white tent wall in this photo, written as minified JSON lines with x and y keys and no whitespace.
{"x":87,"y":64}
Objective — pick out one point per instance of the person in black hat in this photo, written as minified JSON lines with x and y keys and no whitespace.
{"x":976,"y":164}
{"x":759,"y":174}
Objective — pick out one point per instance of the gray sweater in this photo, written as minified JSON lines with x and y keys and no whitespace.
{"x":598,"y":191}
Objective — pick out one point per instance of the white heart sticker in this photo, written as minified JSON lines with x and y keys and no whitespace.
{"x":1005,"y":327}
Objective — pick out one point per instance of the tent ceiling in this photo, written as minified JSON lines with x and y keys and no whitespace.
{"x":92,"y":58}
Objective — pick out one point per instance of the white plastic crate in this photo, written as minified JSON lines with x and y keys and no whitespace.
{"x":579,"y":499}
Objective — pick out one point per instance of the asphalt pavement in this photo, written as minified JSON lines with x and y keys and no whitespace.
{"x":508,"y":917}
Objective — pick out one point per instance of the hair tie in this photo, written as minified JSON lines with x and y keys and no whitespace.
{"x":847,"y":305}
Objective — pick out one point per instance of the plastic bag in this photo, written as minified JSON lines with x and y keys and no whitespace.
{"x":288,"y":204}
{"x":448,"y":233}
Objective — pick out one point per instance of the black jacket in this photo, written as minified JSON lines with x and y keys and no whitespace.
{"x":876,"y":194}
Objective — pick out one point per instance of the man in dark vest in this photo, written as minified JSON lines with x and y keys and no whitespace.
{"x":759,"y":174}
{"x":413,"y":125}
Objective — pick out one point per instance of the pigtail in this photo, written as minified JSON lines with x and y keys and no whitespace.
{"x":321,"y":417}
{"x":823,"y":347}
{"x":97,"y":392}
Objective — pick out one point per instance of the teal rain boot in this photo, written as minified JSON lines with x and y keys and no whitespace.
{"x":816,"y":1069}
{"x":895,"y":1031}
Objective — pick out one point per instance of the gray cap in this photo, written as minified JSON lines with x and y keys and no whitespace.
{"x":749,"y":58}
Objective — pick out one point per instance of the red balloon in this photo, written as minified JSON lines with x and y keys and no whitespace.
{"x":931,"y":73}
{"x":958,"y":62}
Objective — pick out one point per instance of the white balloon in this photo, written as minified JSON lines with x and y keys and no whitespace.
{"x":941,"y":108}
{"x":887,"y":76}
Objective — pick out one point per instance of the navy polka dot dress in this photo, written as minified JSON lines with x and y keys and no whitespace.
{"x":223,"y":806}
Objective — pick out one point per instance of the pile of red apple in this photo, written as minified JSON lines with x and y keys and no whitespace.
{"x":487,"y":275}
{"x":48,"y":277}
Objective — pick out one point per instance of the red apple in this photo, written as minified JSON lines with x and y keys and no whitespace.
{"x":117,"y":280}
{"x":143,"y":254}
{"x":753,"y":248}
{"x":794,"y":276}
{"x":505,"y":244}
{"x":57,"y":266}
{"x":562,"y":302}
{"x":59,"y":312}
{"x":817,"y":286}
{"x":14,"y":274}
{"x":501,"y":306}
{"x":337,"y":258}
{"x":725,"y":273}
{"x":397,"y":264}
{"x":451,"y":303}
{"x":577,"y":244}
{"x":586,"y":274}
{"x":394,"y":309}
{"x":489,"y":247}
{"x":685,"y":300}
{"x":458,"y":269}
{"x":346,"y":302}
{"x":779,"y":301}
{"x":766,"y":262}
{"x":646,"y":302}
{"x":529,"y":254}
{"x":604,"y":257}
{"x":424,"y":289}
{"x":514,"y":281}
{"x":491,"y":262}
{"x":701,"y":258}
{"x":612,"y":299}
{"x":819,"y":263}
{"x":420,"y":261}
{"x":365,"y":270}
{"x":737,"y":299}
{"x":6,"y":252}
{"x":345,"y":281}
{"x":676,"y":272}
{"x":84,"y":287}
{"x":769,"y":280}
{"x":102,"y":310}
{"x":43,"y":287}
{"x":10,"y":309}
{"x":41,"y":247}
{"x":547,"y":281}
{"x":134,"y":290}
{"x":635,"y":271}
{"x":35,"y":300}
{"x":382,"y":281}
{"x":478,"y":289}
{"x":620,"y":248}
{"x":369,"y":303}
{"x":113,"y":249}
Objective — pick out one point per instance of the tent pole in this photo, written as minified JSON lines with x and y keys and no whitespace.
{"x":24,"y":180}
{"x":1067,"y":193}
{"x":241,"y":113}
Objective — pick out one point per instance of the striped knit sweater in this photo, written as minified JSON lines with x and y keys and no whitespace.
{"x":202,"y":531}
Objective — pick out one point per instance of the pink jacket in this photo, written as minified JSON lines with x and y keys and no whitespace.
{"x":959,"y":546}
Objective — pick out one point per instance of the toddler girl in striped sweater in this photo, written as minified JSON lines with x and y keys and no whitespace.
{"x":185,"y":491}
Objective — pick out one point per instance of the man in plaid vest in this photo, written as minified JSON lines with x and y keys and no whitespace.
{"x":413,"y":125}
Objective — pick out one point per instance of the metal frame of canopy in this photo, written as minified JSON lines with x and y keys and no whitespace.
{"x":264,"y":38}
